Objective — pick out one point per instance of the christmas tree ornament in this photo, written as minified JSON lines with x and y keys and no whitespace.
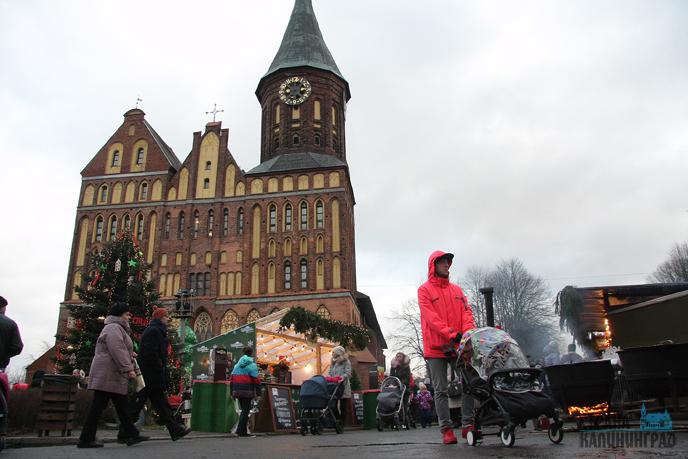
{"x":132,"y":263}
{"x":118,"y":265}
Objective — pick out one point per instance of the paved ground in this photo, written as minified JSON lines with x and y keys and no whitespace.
{"x":420,"y":443}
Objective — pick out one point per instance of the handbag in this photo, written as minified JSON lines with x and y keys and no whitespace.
{"x":454,"y":388}
{"x":139,"y":382}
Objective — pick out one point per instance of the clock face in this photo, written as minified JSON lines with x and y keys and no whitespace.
{"x":294,"y":90}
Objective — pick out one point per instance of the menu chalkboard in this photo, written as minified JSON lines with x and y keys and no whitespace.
{"x":283,"y":417}
{"x":358,"y":407}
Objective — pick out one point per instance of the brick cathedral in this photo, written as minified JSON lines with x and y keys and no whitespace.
{"x":248,"y":243}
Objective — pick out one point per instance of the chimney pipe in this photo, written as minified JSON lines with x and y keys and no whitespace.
{"x":488,"y":292}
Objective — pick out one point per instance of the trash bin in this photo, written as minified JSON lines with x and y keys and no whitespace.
{"x":369,"y":408}
{"x":212,"y":407}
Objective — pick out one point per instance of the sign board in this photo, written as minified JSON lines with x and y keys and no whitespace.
{"x":283,"y":417}
{"x":358,"y":407}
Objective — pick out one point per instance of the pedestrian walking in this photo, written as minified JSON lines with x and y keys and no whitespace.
{"x":10,"y":340}
{"x":245,"y":387}
{"x":111,"y":370}
{"x":340,"y":365}
{"x":424,"y":398}
{"x":152,"y":360}
{"x":400,"y":367}
{"x":445,"y":314}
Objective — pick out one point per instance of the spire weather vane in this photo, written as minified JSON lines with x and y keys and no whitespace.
{"x":138,"y":99}
{"x":214,"y":111}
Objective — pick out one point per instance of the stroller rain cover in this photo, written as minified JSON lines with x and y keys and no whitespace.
{"x":488,"y":350}
{"x":389,"y":398}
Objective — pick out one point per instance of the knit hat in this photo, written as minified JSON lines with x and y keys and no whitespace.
{"x":158,"y":313}
{"x":119,"y":308}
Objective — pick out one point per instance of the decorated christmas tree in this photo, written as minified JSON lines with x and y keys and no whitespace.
{"x":180,"y":361}
{"x":117,"y":273}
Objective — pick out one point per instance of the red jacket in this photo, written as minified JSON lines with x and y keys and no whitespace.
{"x":444,"y":311}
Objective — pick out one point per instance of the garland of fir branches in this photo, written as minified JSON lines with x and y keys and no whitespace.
{"x":314,"y":326}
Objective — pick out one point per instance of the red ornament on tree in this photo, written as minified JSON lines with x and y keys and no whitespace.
{"x":96,"y":279}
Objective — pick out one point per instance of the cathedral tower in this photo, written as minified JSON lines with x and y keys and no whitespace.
{"x":303,"y":95}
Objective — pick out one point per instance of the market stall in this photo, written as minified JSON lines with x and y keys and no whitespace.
{"x":285,"y":359}
{"x":283,"y":356}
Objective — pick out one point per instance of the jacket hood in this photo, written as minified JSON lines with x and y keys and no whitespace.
{"x":119,"y":321}
{"x":157,"y":323}
{"x":244,"y":361}
{"x":431,"y":263}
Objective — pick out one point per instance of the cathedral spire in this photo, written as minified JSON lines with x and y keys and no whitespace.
{"x":303,"y":44}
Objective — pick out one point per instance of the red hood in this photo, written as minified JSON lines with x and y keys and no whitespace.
{"x":431,"y":268}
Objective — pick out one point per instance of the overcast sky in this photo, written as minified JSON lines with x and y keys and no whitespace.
{"x":551,"y":131}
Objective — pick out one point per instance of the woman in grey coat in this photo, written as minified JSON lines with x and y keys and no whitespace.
{"x":111,"y":370}
{"x":341,"y":366}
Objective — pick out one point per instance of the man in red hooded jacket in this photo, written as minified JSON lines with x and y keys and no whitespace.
{"x":444,"y":313}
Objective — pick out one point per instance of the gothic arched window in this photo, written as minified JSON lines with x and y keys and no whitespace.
{"x":240,"y":222}
{"x":287,"y":217}
{"x":323,"y":312}
{"x":168,"y":224}
{"x":180,"y":226}
{"x":304,"y":273}
{"x":272,"y":218}
{"x":230,"y":321}
{"x":287,"y":275}
{"x":203,"y":327}
{"x":252,"y":316}
{"x":99,"y":228}
{"x":196,"y":224}
{"x":211,"y":222}
{"x":303,"y":223}
{"x":319,"y":215}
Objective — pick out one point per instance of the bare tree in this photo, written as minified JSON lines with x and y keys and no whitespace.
{"x":521,"y":303}
{"x":408,"y":336}
{"x":675,"y":269}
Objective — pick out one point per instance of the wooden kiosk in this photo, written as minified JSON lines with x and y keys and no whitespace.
{"x":279,"y":404}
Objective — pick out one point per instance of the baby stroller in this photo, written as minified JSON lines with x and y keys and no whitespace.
{"x":507,"y":391}
{"x":318,"y":397}
{"x":391,"y":406}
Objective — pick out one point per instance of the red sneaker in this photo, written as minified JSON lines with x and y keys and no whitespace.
{"x":448,"y":437}
{"x":465,"y":430}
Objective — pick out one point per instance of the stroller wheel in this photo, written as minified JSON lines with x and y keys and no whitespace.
{"x":473,"y":438}
{"x":555,"y":433}
{"x":507,"y":436}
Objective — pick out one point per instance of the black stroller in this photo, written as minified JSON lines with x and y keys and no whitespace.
{"x":507,"y":391}
{"x":318,"y":399}
{"x":391,"y":407}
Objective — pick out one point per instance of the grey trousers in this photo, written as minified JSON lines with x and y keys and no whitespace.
{"x":438,"y":373}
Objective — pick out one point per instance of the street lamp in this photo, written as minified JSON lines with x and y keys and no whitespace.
{"x":183,"y":310}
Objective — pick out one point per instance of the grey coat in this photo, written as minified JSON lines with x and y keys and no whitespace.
{"x":113,"y":359}
{"x":343,"y":368}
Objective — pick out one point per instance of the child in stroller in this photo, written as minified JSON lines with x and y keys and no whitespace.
{"x":508,"y":392}
{"x":319,"y":396}
{"x":392,"y":406}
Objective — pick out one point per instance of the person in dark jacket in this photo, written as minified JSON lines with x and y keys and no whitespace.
{"x":401,"y":368}
{"x":152,"y":360}
{"x":245,"y":387}
{"x":10,"y":341}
